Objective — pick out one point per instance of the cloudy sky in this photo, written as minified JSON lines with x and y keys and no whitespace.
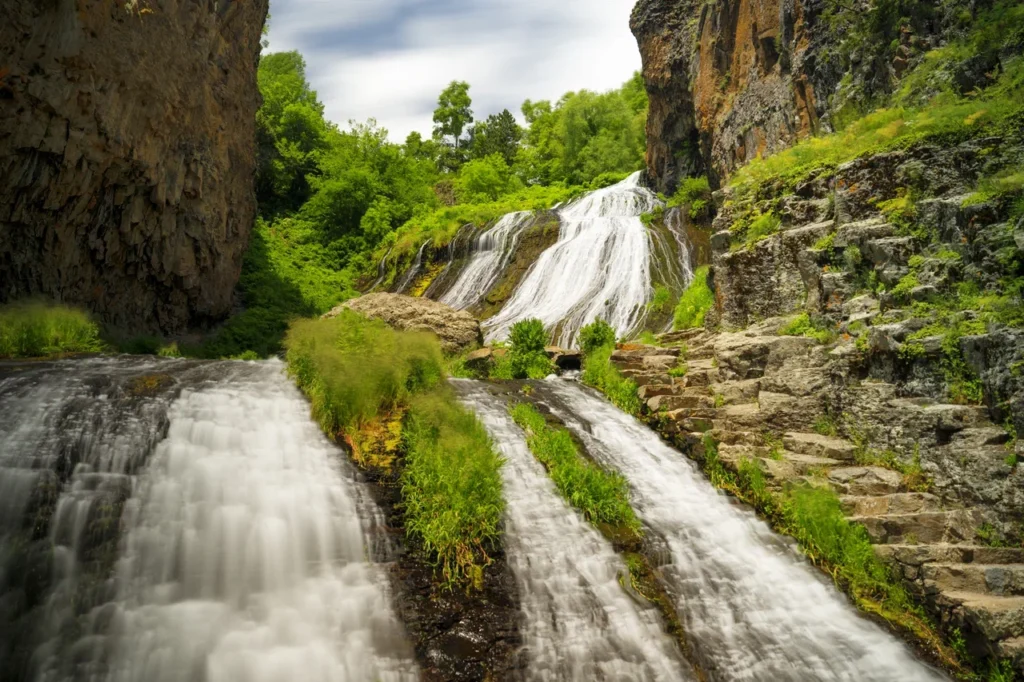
{"x":389,"y":59}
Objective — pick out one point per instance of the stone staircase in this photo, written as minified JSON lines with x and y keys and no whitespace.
{"x":760,"y":396}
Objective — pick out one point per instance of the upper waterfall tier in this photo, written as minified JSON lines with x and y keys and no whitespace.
{"x":599,"y":268}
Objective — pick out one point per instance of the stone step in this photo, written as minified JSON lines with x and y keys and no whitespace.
{"x":637,"y":351}
{"x":741,"y":417}
{"x":865,"y":481}
{"x":924,"y":527}
{"x":729,"y":437}
{"x":739,"y":392}
{"x":652,"y":390}
{"x":1003,"y":580}
{"x":642,"y":363}
{"x":793,"y":466}
{"x":1013,"y":649}
{"x":896,"y":503}
{"x":996,"y":618}
{"x":916,"y":555}
{"x":679,"y":402}
{"x":820,"y":446}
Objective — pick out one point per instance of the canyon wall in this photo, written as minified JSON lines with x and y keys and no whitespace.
{"x":127,"y":154}
{"x":733,"y":79}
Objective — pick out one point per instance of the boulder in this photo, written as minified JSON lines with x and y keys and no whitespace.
{"x":457,"y":330}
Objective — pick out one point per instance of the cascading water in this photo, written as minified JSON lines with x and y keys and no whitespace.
{"x":752,"y":608}
{"x":600,"y":267}
{"x":491,"y":253}
{"x":410,"y":275}
{"x":579,"y":623}
{"x":244,"y":556}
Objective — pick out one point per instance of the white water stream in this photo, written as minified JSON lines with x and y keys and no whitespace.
{"x":242,"y":535}
{"x":491,"y":253}
{"x":579,"y":623}
{"x":245,"y":557}
{"x":753,"y":609}
{"x":599,"y":268}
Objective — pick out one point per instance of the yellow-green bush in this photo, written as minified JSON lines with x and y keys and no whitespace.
{"x":695,"y":302}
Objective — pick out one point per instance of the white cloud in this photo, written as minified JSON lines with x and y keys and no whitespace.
{"x":389,"y":59}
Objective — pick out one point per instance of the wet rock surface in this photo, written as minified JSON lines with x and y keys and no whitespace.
{"x":127,"y":155}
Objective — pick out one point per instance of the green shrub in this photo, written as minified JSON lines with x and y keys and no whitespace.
{"x":600,"y":373}
{"x":35,"y":329}
{"x":661,"y":300}
{"x":596,"y":335}
{"x":527,"y":356}
{"x":451,"y":486}
{"x":695,"y":193}
{"x":695,"y":302}
{"x":601,"y":497}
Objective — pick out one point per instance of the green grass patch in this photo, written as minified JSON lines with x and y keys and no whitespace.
{"x":451,"y":486}
{"x":803,"y":325}
{"x":355,"y":371}
{"x":601,"y":496}
{"x":600,"y":373}
{"x":695,"y":302}
{"x":694,"y":193}
{"x":36,"y":329}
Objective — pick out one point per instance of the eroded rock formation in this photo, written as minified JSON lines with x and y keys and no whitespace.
{"x":127,"y":154}
{"x":456,"y":329}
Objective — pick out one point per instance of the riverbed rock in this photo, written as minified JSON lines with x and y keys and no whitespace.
{"x":457,"y":330}
{"x":128,"y":155}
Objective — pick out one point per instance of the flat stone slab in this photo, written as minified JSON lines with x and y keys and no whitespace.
{"x":865,"y":480}
{"x":820,"y":446}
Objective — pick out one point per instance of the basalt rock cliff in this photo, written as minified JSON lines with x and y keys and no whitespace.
{"x":733,"y":79}
{"x":127,"y":154}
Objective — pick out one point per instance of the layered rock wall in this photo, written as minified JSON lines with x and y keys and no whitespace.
{"x":127,"y":154}
{"x":729,"y":80}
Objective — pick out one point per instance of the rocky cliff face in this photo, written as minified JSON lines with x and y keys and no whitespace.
{"x":127,"y":154}
{"x":733,"y":79}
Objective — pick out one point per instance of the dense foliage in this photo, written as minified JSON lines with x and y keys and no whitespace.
{"x":333,"y":202}
{"x":32,"y":330}
{"x":695,"y":302}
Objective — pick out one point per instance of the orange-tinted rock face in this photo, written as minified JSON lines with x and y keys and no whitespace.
{"x":728,"y":81}
{"x":127,"y":154}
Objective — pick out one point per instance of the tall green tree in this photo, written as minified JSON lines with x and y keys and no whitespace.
{"x":499,"y":134}
{"x":453,"y":116}
{"x":291,"y":133}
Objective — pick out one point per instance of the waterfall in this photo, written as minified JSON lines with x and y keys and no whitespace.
{"x":410,"y":275}
{"x":751,"y":606}
{"x":241,"y":550}
{"x":579,"y":623}
{"x":599,"y":268}
{"x":491,"y":253}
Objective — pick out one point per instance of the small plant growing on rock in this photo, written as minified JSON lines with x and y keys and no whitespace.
{"x":695,"y":302}
{"x":679,"y":371}
{"x":825,"y":426}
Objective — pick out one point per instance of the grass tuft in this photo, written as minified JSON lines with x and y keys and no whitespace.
{"x":600,"y":373}
{"x":695,"y":302}
{"x":35,"y":329}
{"x":602,"y":497}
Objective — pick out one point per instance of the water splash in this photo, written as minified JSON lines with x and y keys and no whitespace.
{"x":579,"y":623}
{"x":600,"y":267}
{"x":492,"y":252}
{"x":751,"y":606}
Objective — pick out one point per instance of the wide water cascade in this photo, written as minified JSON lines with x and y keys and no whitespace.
{"x":600,"y":267}
{"x":243,"y":554}
{"x":579,"y":623}
{"x":752,"y":608}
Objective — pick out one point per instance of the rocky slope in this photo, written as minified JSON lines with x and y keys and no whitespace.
{"x":732,"y":79}
{"x":127,"y":154}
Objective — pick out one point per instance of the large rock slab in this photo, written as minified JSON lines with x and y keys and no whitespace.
{"x":458,"y":330}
